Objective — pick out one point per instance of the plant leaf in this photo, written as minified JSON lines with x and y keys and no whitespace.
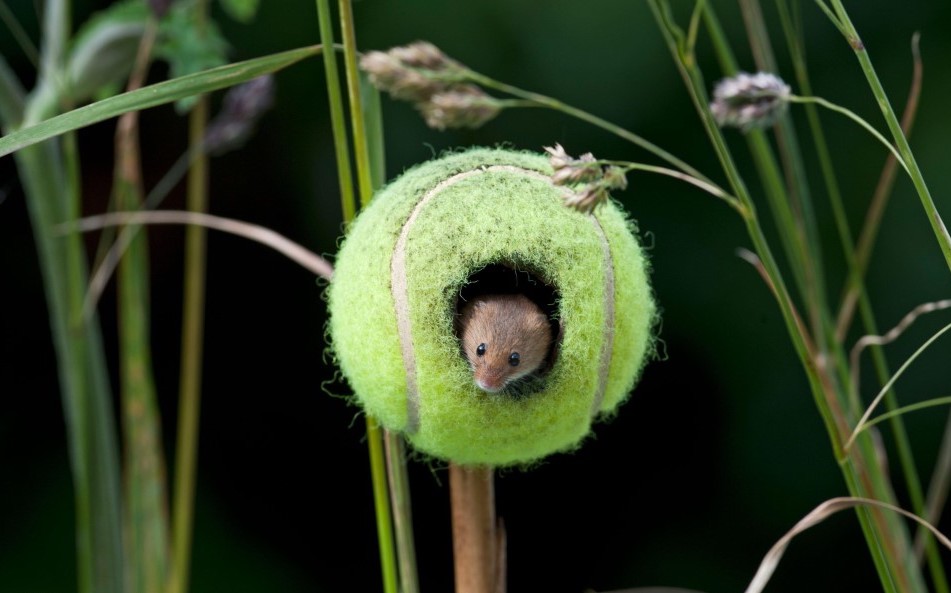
{"x":154,"y":95}
{"x":242,"y":11}
{"x":293,"y":251}
{"x":103,"y":51}
{"x":818,"y":515}
{"x":83,"y":377}
{"x":12,"y":96}
{"x":188,"y":46}
{"x":374,"y":127}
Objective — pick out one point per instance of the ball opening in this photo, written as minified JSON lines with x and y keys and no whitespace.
{"x":510,"y":278}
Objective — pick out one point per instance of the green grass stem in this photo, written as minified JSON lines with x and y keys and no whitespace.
{"x":189,"y":406}
{"x":711,"y":189}
{"x":798,"y":194}
{"x":786,"y":221}
{"x":862,"y":477}
{"x":399,"y":485}
{"x":146,"y":513}
{"x":697,"y":93}
{"x":852,"y":115}
{"x":20,"y":34}
{"x":894,"y":377}
{"x":337,"y":117}
{"x":154,"y":95}
{"x":357,"y":113}
{"x":904,"y":149}
{"x":552,"y":103}
{"x":401,"y":503}
{"x":378,"y":474}
{"x":12,"y":97}
{"x":193,"y":321}
{"x":381,"y":505}
{"x":880,"y":197}
{"x":52,"y":192}
{"x":901,"y":411}
{"x":856,"y":263}
{"x":87,"y":400}
{"x":373,"y":113}
{"x":938,"y":486}
{"x":56,"y":27}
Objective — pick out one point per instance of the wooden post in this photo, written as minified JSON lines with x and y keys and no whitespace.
{"x":477,"y":542}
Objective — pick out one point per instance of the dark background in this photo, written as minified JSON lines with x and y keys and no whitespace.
{"x":719,"y":450}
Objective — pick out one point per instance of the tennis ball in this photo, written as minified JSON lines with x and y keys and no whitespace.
{"x":435,"y":233}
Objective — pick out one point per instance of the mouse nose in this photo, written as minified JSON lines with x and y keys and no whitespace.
{"x":490,"y":384}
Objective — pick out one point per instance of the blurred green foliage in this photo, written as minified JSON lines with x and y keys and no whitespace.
{"x":719,"y":450}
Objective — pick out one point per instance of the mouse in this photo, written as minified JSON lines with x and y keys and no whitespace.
{"x":505,"y":338}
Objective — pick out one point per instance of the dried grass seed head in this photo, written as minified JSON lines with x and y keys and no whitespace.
{"x":587,"y":199}
{"x":615,"y":178}
{"x":413,"y":72}
{"x":747,"y":101}
{"x":596,"y":181}
{"x":425,"y":55}
{"x":435,"y":83}
{"x":390,"y":75}
{"x":569,"y":170}
{"x":462,"y":106}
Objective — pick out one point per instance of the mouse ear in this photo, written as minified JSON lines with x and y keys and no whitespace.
{"x":401,"y":274}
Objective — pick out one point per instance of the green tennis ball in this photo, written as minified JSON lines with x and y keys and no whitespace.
{"x":422,"y":243}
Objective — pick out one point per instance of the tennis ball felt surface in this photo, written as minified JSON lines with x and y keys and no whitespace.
{"x":485,"y":207}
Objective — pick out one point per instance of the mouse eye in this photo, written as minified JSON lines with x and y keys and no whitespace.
{"x":514,"y":359}
{"x":480,"y":350}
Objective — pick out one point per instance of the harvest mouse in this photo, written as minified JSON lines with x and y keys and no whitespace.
{"x":505,"y":337}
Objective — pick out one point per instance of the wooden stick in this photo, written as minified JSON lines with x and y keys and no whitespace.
{"x":477,"y":548}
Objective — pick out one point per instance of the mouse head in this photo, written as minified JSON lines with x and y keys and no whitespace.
{"x":504,"y":338}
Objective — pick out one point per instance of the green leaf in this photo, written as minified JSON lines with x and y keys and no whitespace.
{"x":242,"y":11}
{"x":83,"y":377}
{"x":12,"y":97}
{"x":145,"y":509}
{"x":102,"y":54}
{"x":374,"y":128}
{"x":153,"y":95}
{"x":188,"y":46}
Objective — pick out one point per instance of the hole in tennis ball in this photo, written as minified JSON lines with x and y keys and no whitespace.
{"x":505,"y":279}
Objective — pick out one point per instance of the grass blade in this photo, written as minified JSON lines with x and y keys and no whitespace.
{"x":293,"y":251}
{"x":930,"y":403}
{"x":145,"y":489}
{"x":400,"y":500}
{"x":146,"y":512}
{"x":940,"y":483}
{"x":818,"y":515}
{"x":907,"y":157}
{"x":337,"y":116}
{"x":154,"y":95}
{"x":357,"y":113}
{"x":12,"y":96}
{"x":84,"y":384}
{"x":898,"y":373}
{"x":193,"y":328}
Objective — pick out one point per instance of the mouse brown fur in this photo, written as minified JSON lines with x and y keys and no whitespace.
{"x":505,"y":337}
